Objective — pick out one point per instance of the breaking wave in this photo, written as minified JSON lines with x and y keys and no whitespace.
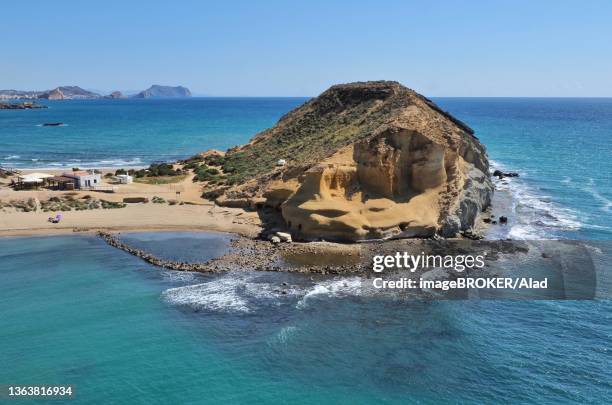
{"x":537,"y":216}
{"x":243,"y":293}
{"x":220,"y":295}
{"x":231,"y":293}
{"x":606,"y":204}
{"x":39,"y":163}
{"x":337,"y":287}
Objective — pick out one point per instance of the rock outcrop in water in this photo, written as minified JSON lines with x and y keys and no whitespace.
{"x":115,"y":95}
{"x":24,"y":105}
{"x":55,"y":94}
{"x":362,"y":161}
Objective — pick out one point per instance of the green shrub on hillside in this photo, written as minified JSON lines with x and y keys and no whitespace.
{"x":162,"y":169}
{"x":191,"y":165}
{"x":214,"y":160}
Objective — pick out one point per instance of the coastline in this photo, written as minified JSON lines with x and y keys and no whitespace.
{"x":193,"y":215}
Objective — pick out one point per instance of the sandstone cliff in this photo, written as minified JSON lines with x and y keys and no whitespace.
{"x":361,"y":161}
{"x":55,"y":94}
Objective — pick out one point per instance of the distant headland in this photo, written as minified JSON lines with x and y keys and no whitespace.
{"x":78,"y":93}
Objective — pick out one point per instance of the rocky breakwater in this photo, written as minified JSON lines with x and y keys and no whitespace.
{"x":258,"y":255}
{"x":366,"y":160}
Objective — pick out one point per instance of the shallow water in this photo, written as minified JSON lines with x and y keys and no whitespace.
{"x":180,"y":246}
{"x":124,"y":331}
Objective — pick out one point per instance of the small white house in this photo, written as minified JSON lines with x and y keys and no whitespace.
{"x":124,"y":178}
{"x":85,"y":179}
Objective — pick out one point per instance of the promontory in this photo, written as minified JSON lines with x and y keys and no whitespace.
{"x":364,"y":160}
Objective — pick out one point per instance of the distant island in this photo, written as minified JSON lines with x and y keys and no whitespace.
{"x":115,"y":94}
{"x":157,"y":91}
{"x":78,"y":93}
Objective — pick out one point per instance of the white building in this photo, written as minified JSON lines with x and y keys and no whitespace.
{"x":124,"y":178}
{"x":85,"y":179}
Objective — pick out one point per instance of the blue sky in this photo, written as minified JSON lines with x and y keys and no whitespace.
{"x":282,"y":48}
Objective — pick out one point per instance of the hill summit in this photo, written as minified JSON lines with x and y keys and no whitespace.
{"x":363,"y":160}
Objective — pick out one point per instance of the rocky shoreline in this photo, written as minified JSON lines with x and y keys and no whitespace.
{"x":26,"y":105}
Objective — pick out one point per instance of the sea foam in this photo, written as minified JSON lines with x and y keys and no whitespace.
{"x":219,"y":295}
{"x":247,"y":292}
{"x":336,"y":287}
{"x":536,"y":214}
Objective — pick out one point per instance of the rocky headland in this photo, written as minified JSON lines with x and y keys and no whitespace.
{"x":69,"y":93}
{"x":58,"y":93}
{"x":365,"y":160}
{"x":78,"y":93}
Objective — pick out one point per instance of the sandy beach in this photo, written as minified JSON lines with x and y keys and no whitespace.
{"x":153,"y":217}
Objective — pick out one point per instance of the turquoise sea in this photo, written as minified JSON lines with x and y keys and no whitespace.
{"x":75,"y":311}
{"x":106,"y":133}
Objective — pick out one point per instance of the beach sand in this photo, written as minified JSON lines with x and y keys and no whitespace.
{"x":145,"y":217}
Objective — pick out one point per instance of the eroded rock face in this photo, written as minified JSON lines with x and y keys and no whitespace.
{"x":55,"y":94}
{"x":405,"y":169}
